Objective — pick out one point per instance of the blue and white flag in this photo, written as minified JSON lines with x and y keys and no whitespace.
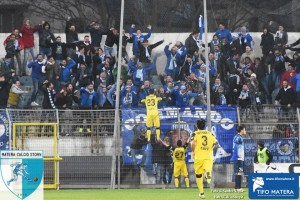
{"x":223,"y":120}
{"x":201,"y":27}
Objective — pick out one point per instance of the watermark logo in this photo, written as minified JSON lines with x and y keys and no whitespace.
{"x":21,"y":174}
{"x":273,"y":186}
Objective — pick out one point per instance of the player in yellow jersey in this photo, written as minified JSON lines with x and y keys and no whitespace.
{"x":151,"y":102}
{"x":180,"y":168}
{"x":202,"y":148}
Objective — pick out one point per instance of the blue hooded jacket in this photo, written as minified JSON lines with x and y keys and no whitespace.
{"x":136,"y":38}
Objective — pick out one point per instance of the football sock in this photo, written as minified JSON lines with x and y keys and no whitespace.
{"x":157,"y":133}
{"x":176,"y":181}
{"x":187,"y":182}
{"x":148,"y":134}
{"x":200,"y":184}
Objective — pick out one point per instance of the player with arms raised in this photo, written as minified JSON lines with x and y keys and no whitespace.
{"x":203,"y":147}
{"x":179,"y":154}
{"x":151,"y":102}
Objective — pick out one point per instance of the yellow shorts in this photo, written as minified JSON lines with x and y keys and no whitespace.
{"x":153,"y":120}
{"x":202,"y":166}
{"x":180,"y":168}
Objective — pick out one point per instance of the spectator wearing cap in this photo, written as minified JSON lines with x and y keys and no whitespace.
{"x":129,"y":98}
{"x":111,"y":39}
{"x":15,"y":94}
{"x":138,"y":37}
{"x":245,"y":38}
{"x":290,"y":72}
{"x":37,"y":76}
{"x":286,"y":98}
{"x":191,"y":43}
{"x":45,"y":35}
{"x":49,"y":93}
{"x":140,"y":72}
{"x":222,"y":32}
{"x":28,"y":41}
{"x":173,"y":57}
{"x":182,"y":96}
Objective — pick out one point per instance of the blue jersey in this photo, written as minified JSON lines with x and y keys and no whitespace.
{"x":238,"y":148}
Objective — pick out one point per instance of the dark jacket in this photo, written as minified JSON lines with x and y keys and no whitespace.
{"x":285,"y":96}
{"x":48,"y":101}
{"x":71,"y":36}
{"x":111,"y":39}
{"x":191,"y":45}
{"x":267,"y":43}
{"x":96,"y":35}
{"x":143,"y":57}
{"x":4,"y":92}
{"x":45,"y":35}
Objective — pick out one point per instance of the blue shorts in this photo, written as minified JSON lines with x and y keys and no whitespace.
{"x":238,"y":167}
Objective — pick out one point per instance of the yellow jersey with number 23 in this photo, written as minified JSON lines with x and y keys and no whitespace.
{"x":151,"y":102}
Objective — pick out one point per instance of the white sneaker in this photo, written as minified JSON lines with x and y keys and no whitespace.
{"x":34,"y":103}
{"x":239,"y":190}
{"x":201,"y":196}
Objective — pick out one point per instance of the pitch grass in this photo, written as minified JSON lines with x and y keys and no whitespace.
{"x":139,"y":194}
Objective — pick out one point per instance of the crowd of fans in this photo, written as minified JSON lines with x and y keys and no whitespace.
{"x":83,"y":73}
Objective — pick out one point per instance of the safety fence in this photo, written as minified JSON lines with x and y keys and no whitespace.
{"x":93,"y":157}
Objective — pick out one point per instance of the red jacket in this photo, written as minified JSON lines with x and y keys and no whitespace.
{"x":20,"y":41}
{"x":27,"y":35}
{"x":286,"y":76}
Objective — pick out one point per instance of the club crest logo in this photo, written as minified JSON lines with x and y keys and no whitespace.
{"x":22,"y":172}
